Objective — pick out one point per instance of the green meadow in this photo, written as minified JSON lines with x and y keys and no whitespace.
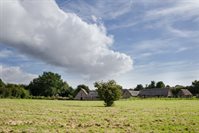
{"x":133,"y":116}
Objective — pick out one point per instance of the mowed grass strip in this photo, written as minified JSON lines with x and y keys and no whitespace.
{"x":148,"y":115}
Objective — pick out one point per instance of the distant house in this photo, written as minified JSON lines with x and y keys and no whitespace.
{"x":83,"y":95}
{"x":156,"y":92}
{"x":184,"y":93}
{"x":129,"y":93}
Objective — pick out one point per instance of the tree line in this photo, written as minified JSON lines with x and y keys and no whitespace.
{"x":50,"y":84}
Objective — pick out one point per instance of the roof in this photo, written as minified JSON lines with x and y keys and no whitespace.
{"x":155,"y":92}
{"x":123,"y":90}
{"x":133,"y":93}
{"x":83,"y":91}
{"x":185,"y":92}
{"x":93,"y":93}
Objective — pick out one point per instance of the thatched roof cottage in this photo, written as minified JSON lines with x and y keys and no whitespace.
{"x":156,"y":92}
{"x":184,"y":93}
{"x":129,"y":93}
{"x":83,"y":95}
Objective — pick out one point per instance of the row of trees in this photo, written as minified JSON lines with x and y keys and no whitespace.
{"x":48,"y":84}
{"x":51,"y":85}
{"x":153,"y":84}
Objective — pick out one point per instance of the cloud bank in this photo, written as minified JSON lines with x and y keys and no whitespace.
{"x":42,"y":30}
{"x":12,"y":74}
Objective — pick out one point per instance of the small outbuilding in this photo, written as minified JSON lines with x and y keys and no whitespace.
{"x":184,"y":93}
{"x":156,"y":92}
{"x":129,"y":93}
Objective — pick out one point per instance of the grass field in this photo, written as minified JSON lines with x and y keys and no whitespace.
{"x":148,"y":115}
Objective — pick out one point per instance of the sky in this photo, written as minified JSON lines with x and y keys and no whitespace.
{"x":130,"y":41}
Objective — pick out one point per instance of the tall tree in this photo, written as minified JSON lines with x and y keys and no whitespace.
{"x":152,"y":85}
{"x":47,"y":84}
{"x":160,"y":84}
{"x":139,"y":87}
{"x":194,"y":88}
{"x":108,"y":91}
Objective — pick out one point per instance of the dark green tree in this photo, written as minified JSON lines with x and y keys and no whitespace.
{"x":167,"y":86}
{"x":152,"y":85}
{"x":108,"y":91}
{"x":66,"y":90}
{"x":2,"y":84}
{"x":47,"y":84}
{"x":160,"y":84}
{"x":194,"y":88}
{"x":139,"y":87}
{"x":79,"y":87}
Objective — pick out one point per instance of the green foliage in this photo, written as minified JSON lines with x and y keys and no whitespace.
{"x":194,"y":88}
{"x":175,"y":91}
{"x":2,"y":84}
{"x":13,"y":90}
{"x":167,"y":86}
{"x":108,"y":91}
{"x":152,"y":85}
{"x":160,"y":84}
{"x":79,"y":87}
{"x":65,"y":90}
{"x":48,"y":84}
{"x":139,"y":87}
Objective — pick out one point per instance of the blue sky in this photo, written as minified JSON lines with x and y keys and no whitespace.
{"x":160,"y":37}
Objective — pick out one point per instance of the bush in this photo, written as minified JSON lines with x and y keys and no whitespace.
{"x":108,"y":91}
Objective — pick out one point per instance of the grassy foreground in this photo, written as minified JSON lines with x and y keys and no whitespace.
{"x":148,"y":115}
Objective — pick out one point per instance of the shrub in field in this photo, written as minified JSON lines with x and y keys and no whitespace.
{"x":108,"y":91}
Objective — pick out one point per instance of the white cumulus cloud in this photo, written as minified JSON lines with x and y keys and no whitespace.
{"x":42,"y":30}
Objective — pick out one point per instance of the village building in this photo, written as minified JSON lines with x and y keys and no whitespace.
{"x":83,"y":95}
{"x":129,"y":93}
{"x":184,"y":93}
{"x":156,"y":92}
